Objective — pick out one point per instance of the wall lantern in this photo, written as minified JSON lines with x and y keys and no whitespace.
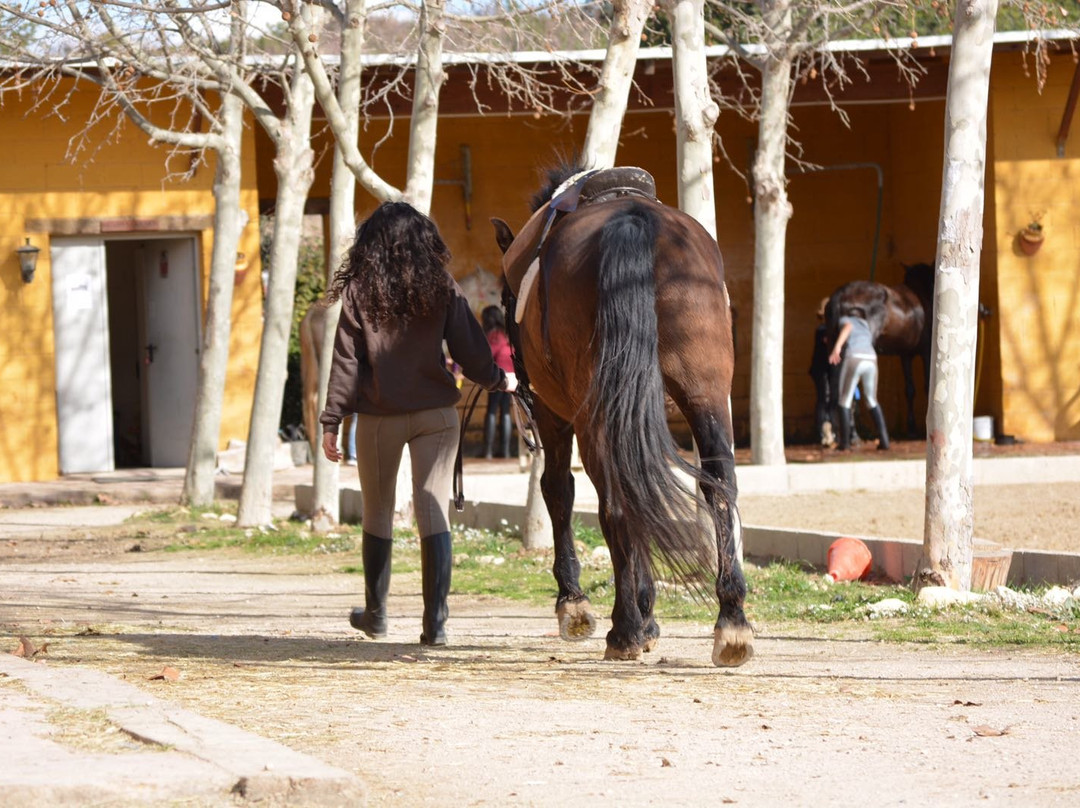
{"x":28,"y":254}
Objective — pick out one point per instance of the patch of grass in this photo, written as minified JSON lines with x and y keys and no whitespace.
{"x":781,"y":597}
{"x":285,"y":539}
{"x":205,"y":529}
{"x":980,"y":625}
{"x":93,"y":731}
{"x":496,"y":564}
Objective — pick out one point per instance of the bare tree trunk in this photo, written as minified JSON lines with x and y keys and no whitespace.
{"x":695,"y":111}
{"x":342,"y":230}
{"x":425,"y":109}
{"x":695,"y":116}
{"x":947,"y":534}
{"x":771,"y":213}
{"x":537,"y":532}
{"x":337,"y":117}
{"x":609,"y":105}
{"x":214,"y":359}
{"x":293,"y":165}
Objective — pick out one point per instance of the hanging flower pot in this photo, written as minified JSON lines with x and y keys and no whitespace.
{"x":1031,"y":238}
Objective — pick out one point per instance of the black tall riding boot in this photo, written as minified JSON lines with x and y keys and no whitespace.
{"x":372,"y":618}
{"x":879,"y":422}
{"x":845,"y":428}
{"x":436,"y":562}
{"x":489,"y":435}
{"x":506,"y":435}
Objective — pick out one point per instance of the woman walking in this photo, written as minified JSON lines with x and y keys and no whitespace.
{"x":399,"y":304}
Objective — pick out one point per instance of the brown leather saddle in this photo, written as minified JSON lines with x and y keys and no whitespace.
{"x":581,"y":190}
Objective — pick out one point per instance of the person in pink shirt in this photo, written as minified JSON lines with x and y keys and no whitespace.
{"x":498,"y":402}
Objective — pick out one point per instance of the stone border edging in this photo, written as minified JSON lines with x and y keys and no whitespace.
{"x":895,"y":558}
{"x":254,"y":767}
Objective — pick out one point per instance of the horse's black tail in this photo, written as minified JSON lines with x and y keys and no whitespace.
{"x":626,"y":407}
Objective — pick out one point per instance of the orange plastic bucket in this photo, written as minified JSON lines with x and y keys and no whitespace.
{"x":848,"y":560}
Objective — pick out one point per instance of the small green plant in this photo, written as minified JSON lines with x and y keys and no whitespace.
{"x":783,"y":598}
{"x":214,"y":528}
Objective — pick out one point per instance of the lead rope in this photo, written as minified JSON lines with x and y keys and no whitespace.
{"x":523,"y":419}
{"x":526,"y":427}
{"x":459,"y":475}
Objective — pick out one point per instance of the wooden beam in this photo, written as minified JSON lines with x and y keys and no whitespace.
{"x":92,"y":226}
{"x":1067,"y":115}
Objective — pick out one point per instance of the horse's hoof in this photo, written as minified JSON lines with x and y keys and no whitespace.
{"x":732,"y":646}
{"x":622,"y":654}
{"x":576,"y":620}
{"x":650,"y":644}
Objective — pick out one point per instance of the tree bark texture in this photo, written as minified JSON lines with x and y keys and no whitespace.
{"x":695,"y":111}
{"x":772,"y":210}
{"x":336,"y":116}
{"x":695,"y":117}
{"x":326,"y":484}
{"x":293,"y":165}
{"x":537,"y":532}
{"x":616,"y":76}
{"x":947,"y":535}
{"x":423,"y":130}
{"x":214,"y":358}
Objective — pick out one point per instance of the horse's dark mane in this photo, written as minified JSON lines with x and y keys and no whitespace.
{"x":554,"y":177}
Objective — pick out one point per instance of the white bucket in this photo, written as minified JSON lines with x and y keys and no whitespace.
{"x":983,"y":427}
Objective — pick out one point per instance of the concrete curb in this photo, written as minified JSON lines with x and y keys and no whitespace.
{"x":895,"y":558}
{"x":202,"y":758}
{"x":890,"y":475}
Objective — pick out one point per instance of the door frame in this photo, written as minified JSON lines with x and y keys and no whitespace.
{"x":99,"y":242}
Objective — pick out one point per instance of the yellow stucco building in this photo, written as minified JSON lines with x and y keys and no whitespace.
{"x":870,"y":208}
{"x":99,"y":350}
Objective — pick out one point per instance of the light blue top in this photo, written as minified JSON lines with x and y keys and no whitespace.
{"x":859,"y":341}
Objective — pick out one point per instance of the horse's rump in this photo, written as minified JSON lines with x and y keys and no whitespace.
{"x":636,"y":290}
{"x":894,"y":313}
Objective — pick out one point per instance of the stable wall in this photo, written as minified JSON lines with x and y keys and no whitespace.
{"x":1038,"y":297}
{"x":830,"y":237}
{"x":1029,"y":362}
{"x":44,"y":193}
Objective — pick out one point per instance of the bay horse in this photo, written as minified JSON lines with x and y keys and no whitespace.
{"x":630,"y":304}
{"x":900,"y":322}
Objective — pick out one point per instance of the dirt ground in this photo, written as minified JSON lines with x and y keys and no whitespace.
{"x":1039,"y":517}
{"x":509,"y":714}
{"x":1036,"y":517}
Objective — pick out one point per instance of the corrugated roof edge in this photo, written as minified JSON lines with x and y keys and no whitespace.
{"x":1002,"y":38}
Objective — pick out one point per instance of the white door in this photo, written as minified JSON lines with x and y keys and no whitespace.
{"x":81,"y":331}
{"x":172,"y":347}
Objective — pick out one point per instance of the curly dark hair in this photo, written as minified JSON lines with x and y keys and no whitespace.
{"x":398,"y":265}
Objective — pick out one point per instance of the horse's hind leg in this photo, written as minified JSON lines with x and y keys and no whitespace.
{"x":733,"y":639}
{"x":633,"y":629}
{"x":572,"y":607}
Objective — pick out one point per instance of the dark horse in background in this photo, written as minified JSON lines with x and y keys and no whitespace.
{"x":900,"y":321}
{"x":630,"y":302}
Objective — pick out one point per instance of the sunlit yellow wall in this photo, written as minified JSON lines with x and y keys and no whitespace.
{"x":1030,"y":363}
{"x":119,"y":175}
{"x":1038,"y":296}
{"x":830,"y":238}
